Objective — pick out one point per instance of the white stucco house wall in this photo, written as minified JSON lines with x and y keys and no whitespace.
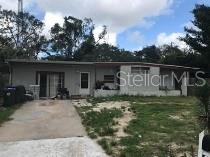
{"x":100,"y":79}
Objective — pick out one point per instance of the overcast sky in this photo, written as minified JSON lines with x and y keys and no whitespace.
{"x":132,"y":24}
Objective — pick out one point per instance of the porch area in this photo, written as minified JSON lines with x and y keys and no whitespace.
{"x":106,"y":80}
{"x":140,"y":80}
{"x":173,"y":82}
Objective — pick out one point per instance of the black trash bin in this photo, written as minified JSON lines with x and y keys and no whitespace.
{"x":20,"y":94}
{"x":206,"y":143}
{"x":9,"y":96}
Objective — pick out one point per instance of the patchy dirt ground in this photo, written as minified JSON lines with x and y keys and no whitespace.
{"x":160,"y":125}
{"x":111,"y":104}
{"x":80,"y":102}
{"x":122,"y":122}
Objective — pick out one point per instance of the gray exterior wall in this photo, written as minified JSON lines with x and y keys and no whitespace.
{"x":25,"y":74}
{"x":167,"y":81}
{"x":101,"y":71}
{"x":146,"y":89}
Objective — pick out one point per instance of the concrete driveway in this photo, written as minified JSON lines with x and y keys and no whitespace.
{"x":43,"y":119}
{"x":47,"y":128}
{"x":64,"y":147}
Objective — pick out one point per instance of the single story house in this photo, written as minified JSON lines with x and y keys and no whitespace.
{"x":100,"y":78}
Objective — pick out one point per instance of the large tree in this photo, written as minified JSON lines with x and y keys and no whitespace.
{"x":108,"y":53}
{"x":68,"y":38}
{"x":171,"y":54}
{"x":89,"y":46}
{"x":198,"y":37}
{"x":23,"y":32}
{"x":149,"y":54}
{"x":6,"y":50}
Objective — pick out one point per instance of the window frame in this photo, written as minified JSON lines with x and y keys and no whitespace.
{"x":112,"y":80}
{"x":141,"y":70}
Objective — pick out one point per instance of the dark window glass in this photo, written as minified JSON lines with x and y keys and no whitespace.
{"x":84,"y":80}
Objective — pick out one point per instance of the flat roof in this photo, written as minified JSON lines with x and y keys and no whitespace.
{"x":100,"y":63}
{"x":45,"y":61}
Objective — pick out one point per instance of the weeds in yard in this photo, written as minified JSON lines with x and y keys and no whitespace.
{"x":130,"y":140}
{"x":105,"y":144}
{"x":106,"y":131}
{"x":131,"y":151}
{"x":92,"y":135}
{"x":159,"y":122}
{"x":153,"y":122}
{"x":101,"y":123}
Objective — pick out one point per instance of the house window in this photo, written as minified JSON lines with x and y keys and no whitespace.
{"x":140,"y":70}
{"x":108,"y":78}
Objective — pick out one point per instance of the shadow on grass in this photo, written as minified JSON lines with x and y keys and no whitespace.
{"x":6,"y":112}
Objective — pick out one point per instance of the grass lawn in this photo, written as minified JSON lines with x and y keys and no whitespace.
{"x":6,"y":112}
{"x":163,"y":126}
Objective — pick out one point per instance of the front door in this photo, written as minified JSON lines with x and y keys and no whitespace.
{"x":49,"y":82}
{"x":53,"y":83}
{"x":84,"y":83}
{"x":43,"y":85}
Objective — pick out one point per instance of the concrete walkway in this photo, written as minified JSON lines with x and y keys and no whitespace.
{"x":68,"y":147}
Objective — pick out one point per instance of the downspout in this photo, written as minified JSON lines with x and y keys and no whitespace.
{"x":10,"y":73}
{"x":95,"y":76}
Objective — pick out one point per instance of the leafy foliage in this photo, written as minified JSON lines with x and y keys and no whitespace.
{"x":6,"y":49}
{"x":67,"y":39}
{"x":21,"y":34}
{"x":108,"y":53}
{"x":203,"y":94}
{"x":171,"y":54}
{"x":149,"y":54}
{"x":74,"y":40}
{"x":198,"y":37}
